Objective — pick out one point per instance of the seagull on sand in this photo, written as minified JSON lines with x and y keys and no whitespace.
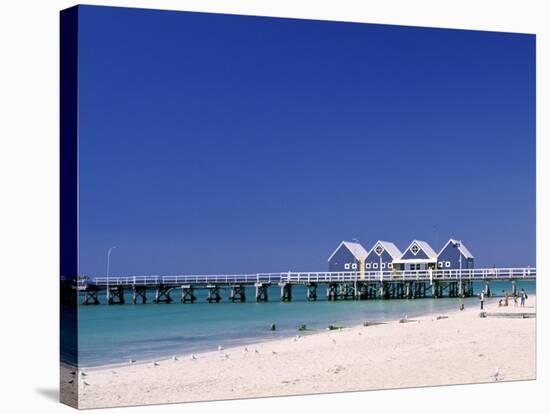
{"x":85,"y":383}
{"x":71,"y":381}
{"x":496,"y":375}
{"x":155,"y":364}
{"x":72,"y":372}
{"x":193,"y":357}
{"x":245,"y":350}
{"x":220,"y":348}
{"x":226,"y":355}
{"x":274,"y":353}
{"x":256,"y":351}
{"x":174,"y":358}
{"x":131,"y":361}
{"x":83,"y":374}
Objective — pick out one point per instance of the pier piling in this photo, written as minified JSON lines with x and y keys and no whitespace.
{"x":286,"y":291}
{"x":90,"y":295}
{"x":261,"y":291}
{"x":139,"y":292}
{"x":162,"y":294}
{"x":115,"y":295}
{"x":188,"y":294}
{"x":237,"y":293}
{"x":213,"y":294}
{"x":311,"y":291}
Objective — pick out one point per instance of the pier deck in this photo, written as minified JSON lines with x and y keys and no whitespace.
{"x":355,"y":285}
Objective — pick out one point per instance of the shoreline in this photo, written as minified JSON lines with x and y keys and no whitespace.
{"x":261,"y":340}
{"x":463,"y":348}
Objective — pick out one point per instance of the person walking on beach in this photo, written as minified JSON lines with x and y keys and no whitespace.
{"x":522,"y":298}
{"x":481,"y":299}
{"x":506,"y":299}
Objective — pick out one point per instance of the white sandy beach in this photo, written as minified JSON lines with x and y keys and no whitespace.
{"x":462,"y":348}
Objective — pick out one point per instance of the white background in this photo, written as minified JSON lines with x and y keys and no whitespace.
{"x":29,"y":101}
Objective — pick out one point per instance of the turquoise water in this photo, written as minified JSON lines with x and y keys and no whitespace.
{"x":114,"y":334}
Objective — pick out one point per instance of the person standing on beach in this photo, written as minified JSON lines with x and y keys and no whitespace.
{"x":481,"y":299}
{"x":523,"y":297}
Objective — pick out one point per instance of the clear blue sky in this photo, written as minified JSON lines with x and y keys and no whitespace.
{"x":216,"y":143}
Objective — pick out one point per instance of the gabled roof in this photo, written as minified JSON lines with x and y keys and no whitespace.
{"x":425,"y":247}
{"x":463,"y":249}
{"x":391,"y":248}
{"x":356,"y":249}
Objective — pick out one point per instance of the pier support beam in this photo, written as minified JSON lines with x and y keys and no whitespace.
{"x":419,"y":290}
{"x":139,"y":292}
{"x":382,"y":289}
{"x":213,"y":293}
{"x":311,"y":293}
{"x":286,"y":292}
{"x":361,"y":291}
{"x":115,"y":295}
{"x":187,"y":294}
{"x":332,"y":291}
{"x":162,"y":294}
{"x":372,"y":290}
{"x":90,"y":295}
{"x":237,"y":293}
{"x":345,"y":291}
{"x":261,"y":291}
{"x":453,"y":289}
{"x":408,"y":290}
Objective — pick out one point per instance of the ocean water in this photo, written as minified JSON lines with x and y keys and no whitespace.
{"x":113,"y":334}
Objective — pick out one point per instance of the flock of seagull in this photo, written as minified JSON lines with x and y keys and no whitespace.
{"x":193,"y":357}
{"x":497,"y":375}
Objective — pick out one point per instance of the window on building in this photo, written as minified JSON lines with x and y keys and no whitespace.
{"x":354,"y":266}
{"x":390,"y":265}
{"x":383,"y":265}
{"x":375,"y":265}
{"x":447,"y":264}
{"x":367,"y":265}
{"x":346,"y":266}
{"x":440,"y":265}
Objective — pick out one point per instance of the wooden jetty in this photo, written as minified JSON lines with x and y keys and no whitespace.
{"x":394,"y":284}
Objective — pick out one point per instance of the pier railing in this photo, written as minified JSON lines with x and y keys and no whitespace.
{"x":316,"y":277}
